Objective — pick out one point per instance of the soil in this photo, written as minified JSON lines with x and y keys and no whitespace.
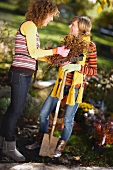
{"x":27,"y":135}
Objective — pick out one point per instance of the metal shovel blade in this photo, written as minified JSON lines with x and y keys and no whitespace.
{"x":48,"y":145}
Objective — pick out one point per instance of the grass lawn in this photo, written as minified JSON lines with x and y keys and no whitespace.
{"x":105,"y":63}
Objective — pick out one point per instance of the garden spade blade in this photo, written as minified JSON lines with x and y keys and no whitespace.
{"x":44,"y":150}
{"x":49,"y":142}
{"x":48,"y":145}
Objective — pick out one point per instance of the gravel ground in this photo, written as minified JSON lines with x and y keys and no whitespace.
{"x":41,"y":166}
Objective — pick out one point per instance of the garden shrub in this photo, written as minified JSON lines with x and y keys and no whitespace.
{"x":100,"y":89}
{"x":6,"y":43}
{"x":31,"y":109}
{"x":4,"y":103}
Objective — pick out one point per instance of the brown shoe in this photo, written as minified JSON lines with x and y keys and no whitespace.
{"x":33,"y":146}
{"x":60,"y":147}
{"x":36,"y":144}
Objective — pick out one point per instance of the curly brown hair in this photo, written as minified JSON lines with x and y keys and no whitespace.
{"x":38,"y":11}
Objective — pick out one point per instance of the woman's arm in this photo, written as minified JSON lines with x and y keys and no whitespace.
{"x":29,"y":30}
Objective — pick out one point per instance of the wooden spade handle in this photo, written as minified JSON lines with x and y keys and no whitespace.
{"x":58,"y":104}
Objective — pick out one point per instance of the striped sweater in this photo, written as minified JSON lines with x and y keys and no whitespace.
{"x":22,"y":61}
{"x":90,"y":67}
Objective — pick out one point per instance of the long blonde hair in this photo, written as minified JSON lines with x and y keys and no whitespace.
{"x":84,"y":24}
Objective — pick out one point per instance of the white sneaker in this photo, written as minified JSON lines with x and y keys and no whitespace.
{"x":57,"y":154}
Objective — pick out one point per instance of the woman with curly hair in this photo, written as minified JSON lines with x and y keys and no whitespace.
{"x":27,"y":52}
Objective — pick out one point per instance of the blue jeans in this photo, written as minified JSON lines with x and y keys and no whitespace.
{"x":70,"y":112}
{"x":20,"y":84}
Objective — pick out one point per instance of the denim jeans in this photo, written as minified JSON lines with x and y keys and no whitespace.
{"x":70,"y":112}
{"x":20,"y":84}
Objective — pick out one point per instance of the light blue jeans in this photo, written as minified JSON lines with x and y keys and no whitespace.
{"x":70,"y":112}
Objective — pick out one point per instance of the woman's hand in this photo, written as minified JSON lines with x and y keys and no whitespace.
{"x":63,"y":51}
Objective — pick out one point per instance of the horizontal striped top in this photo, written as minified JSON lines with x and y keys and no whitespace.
{"x":90,"y":67}
{"x":22,"y":61}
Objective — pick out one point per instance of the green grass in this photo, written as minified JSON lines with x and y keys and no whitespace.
{"x":7,"y":6}
{"x":105,"y":63}
{"x":8,"y":14}
{"x":53,"y":33}
{"x":102,"y":39}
